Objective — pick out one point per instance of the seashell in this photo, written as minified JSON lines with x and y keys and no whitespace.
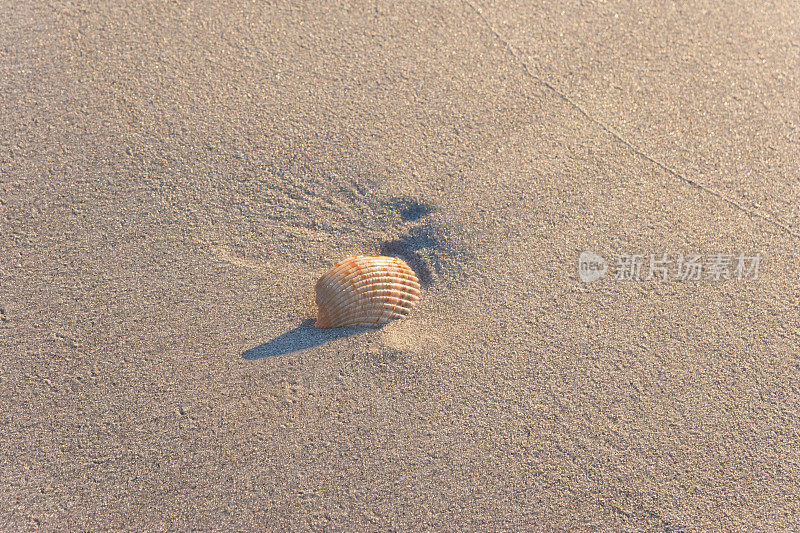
{"x":366,"y":291}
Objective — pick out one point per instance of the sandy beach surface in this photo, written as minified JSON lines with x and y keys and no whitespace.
{"x":174,"y":176}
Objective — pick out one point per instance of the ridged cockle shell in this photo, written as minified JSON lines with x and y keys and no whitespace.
{"x":365,"y":291}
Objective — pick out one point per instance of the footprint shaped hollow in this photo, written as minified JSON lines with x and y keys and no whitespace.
{"x":366,"y":291}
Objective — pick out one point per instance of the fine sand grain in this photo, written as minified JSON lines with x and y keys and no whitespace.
{"x":175,"y":176}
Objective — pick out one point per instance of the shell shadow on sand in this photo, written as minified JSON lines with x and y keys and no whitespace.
{"x":300,"y":338}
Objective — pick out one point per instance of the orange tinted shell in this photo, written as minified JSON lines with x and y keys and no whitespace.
{"x":365,"y":291}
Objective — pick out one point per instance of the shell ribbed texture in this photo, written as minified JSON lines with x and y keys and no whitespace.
{"x":366,"y":291}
